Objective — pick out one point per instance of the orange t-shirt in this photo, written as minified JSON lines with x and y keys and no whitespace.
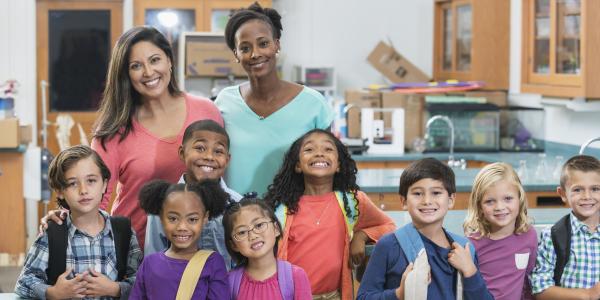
{"x":318,"y":248}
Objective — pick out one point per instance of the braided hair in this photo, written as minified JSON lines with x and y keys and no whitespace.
{"x":288,"y":185}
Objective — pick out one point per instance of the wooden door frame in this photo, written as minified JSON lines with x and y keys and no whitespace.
{"x":42,"y":8}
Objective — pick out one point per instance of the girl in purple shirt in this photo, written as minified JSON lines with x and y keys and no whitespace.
{"x":498,"y":226}
{"x":183,"y":210}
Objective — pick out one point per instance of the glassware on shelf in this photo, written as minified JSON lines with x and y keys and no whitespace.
{"x":541,"y":172}
{"x":558,"y":160}
{"x":522,"y":171}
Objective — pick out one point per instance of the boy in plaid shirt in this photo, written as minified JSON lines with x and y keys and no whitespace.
{"x":580,"y":188}
{"x":79,"y":178}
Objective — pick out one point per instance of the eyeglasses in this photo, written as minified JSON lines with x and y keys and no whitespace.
{"x":261,"y":227}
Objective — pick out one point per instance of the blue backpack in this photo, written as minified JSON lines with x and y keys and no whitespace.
{"x":284,"y":277}
{"x":410,"y":241}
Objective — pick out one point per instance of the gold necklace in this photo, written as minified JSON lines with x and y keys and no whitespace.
{"x":318,"y":222}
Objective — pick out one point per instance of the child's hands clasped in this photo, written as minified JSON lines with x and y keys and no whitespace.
{"x":460,"y":258}
{"x":99,"y":285}
{"x":68,"y":288}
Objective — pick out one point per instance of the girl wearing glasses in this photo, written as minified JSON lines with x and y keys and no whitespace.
{"x":252,"y":231}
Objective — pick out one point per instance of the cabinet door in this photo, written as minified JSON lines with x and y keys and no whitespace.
{"x":447,"y":38}
{"x":74,"y":42}
{"x":568,"y":37}
{"x":554,"y":45}
{"x":171,"y":18}
{"x":541,"y":37}
{"x":463,"y":38}
{"x":455,"y":24}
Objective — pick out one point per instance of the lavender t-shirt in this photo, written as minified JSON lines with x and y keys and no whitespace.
{"x":159,"y":275}
{"x":506,"y":263}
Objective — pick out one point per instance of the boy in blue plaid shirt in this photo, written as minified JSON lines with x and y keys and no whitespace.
{"x":79,"y":178}
{"x":580,"y":188}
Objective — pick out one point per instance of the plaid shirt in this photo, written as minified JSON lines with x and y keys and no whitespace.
{"x":83,"y":252}
{"x":583,"y":268}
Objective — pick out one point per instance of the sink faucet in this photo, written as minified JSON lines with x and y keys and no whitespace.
{"x":451,"y":161}
{"x":587,"y":144}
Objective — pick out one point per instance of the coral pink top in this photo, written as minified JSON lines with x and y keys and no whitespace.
{"x":141,"y":157}
{"x":321,"y":260}
{"x":269,"y":288}
{"x":321,"y":264}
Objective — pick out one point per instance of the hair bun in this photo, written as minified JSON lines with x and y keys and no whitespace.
{"x":275,"y":17}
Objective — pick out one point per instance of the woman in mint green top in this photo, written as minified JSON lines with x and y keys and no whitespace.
{"x":266,"y":114}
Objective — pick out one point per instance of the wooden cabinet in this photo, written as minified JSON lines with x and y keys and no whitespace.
{"x":12,"y":214}
{"x":403,"y":164}
{"x":192,"y":15}
{"x":560,"y":47}
{"x":391,"y":201}
{"x":471,"y":41}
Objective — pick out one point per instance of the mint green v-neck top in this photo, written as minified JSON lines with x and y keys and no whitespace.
{"x":258,"y":144}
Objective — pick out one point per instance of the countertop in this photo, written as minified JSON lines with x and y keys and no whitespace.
{"x":387,"y":180}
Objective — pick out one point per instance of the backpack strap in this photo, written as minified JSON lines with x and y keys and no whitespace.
{"x":285,"y":279}
{"x":410,"y":241}
{"x":461,"y":240}
{"x":191,"y":275}
{"x":412,"y":245}
{"x":561,"y":240}
{"x":352,"y":204}
{"x":57,"y":250}
{"x":281,"y":214}
{"x":121,"y":229}
{"x":235,"y":279}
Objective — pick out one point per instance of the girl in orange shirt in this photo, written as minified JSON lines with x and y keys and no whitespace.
{"x":327,"y":220}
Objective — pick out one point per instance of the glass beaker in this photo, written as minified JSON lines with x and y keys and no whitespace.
{"x":522,"y":170}
{"x":541,"y":172}
{"x":558,"y":160}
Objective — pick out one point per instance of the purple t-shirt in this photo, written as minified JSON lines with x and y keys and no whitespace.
{"x":506,"y":263}
{"x":159,"y":275}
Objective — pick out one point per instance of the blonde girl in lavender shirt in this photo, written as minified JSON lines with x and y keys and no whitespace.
{"x":498,"y":226}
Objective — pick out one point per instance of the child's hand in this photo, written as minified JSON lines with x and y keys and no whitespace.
{"x":400,"y":289}
{"x":595,"y":291}
{"x":99,"y":285}
{"x":460,"y":258}
{"x":57,"y":216}
{"x":68,"y":288}
{"x":357,"y":247}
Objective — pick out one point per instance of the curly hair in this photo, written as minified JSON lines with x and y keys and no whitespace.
{"x":475,"y":222}
{"x":229,"y":219}
{"x":288,"y":185}
{"x":253,"y":12}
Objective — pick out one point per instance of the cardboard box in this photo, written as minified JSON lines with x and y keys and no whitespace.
{"x":360,"y":99}
{"x":414,"y":107}
{"x":25,"y":134}
{"x":9,"y":133}
{"x":394,"y":66}
{"x":210,"y":59}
